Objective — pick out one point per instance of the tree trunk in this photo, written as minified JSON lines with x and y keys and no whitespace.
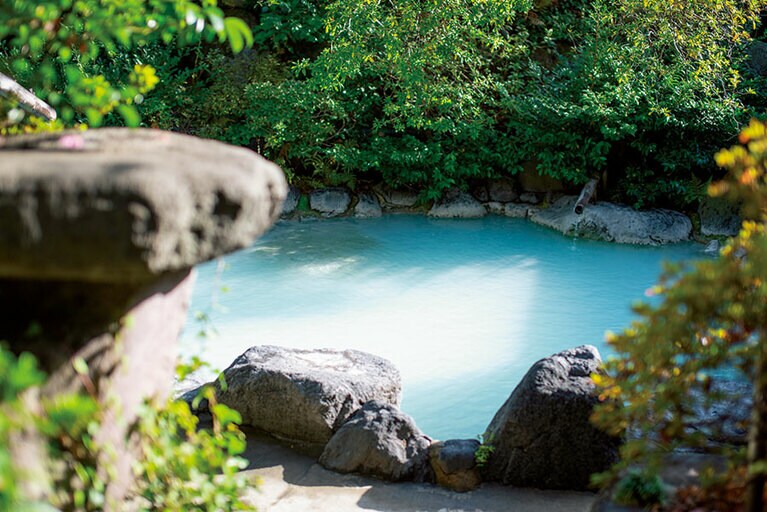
{"x":757,"y":444}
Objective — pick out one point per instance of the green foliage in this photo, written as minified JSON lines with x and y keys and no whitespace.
{"x":639,"y":488}
{"x":52,"y":47}
{"x":395,"y":93}
{"x":180,"y":460}
{"x":646,"y":90}
{"x":16,"y":375}
{"x":181,"y":466}
{"x":485,"y":450}
{"x":431,"y":95}
{"x":712,"y":320}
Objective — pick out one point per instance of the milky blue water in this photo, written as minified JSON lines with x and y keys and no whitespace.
{"x":462,"y":307}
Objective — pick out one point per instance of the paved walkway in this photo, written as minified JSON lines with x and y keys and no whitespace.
{"x":291,"y":482}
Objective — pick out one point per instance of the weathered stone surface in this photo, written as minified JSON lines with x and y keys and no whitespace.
{"x":517,"y":210}
{"x":291,"y":201}
{"x":615,"y":223}
{"x":502,"y":190}
{"x":454,"y":464}
{"x":726,"y":419}
{"x":495,"y":208}
{"x":479,"y":192}
{"x":398,"y":198}
{"x":330,"y":202}
{"x":128,"y":205}
{"x":542,"y":434}
{"x":305,"y":395}
{"x":712,"y":247}
{"x":367,"y":206}
{"x":719,"y":217}
{"x":458,"y":205}
{"x":529,"y":198}
{"x":98,"y":234}
{"x":381,"y":441}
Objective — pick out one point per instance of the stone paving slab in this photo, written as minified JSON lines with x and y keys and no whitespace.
{"x":291,"y":482}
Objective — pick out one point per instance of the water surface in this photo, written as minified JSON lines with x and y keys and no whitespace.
{"x":461,"y":307}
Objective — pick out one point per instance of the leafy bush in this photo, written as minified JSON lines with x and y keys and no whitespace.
{"x":639,"y":488}
{"x":431,"y":95}
{"x":187,"y":468}
{"x":181,"y":466}
{"x":51,"y":47}
{"x":647,"y":91}
{"x":712,"y":321}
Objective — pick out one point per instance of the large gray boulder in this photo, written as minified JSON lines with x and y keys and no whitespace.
{"x":367,"y":206}
{"x":542,"y":435}
{"x":397,"y":198}
{"x":330,"y":202}
{"x":518,"y":210}
{"x":458,"y":205}
{"x":306,"y":395}
{"x":615,"y":223}
{"x":381,"y":441}
{"x":502,"y":190}
{"x":719,"y":217}
{"x":291,"y":201}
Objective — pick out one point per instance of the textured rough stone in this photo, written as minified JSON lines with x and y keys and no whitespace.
{"x":495,"y":208}
{"x":98,"y":234}
{"x":529,"y":198}
{"x":479,"y":192}
{"x":712,"y":247}
{"x":454,"y":464}
{"x":726,"y":420}
{"x":615,"y":223}
{"x":305,"y":395}
{"x":502,"y":190}
{"x":381,"y":441}
{"x":130,"y":205}
{"x":542,"y":434}
{"x":719,"y":217}
{"x":458,"y":205}
{"x":516,"y":210}
{"x":367,"y":206}
{"x":398,"y":198}
{"x":291,"y":201}
{"x":330,"y":202}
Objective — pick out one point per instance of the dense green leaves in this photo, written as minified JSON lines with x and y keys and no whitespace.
{"x":51,"y":47}
{"x":180,"y":467}
{"x":433,"y":94}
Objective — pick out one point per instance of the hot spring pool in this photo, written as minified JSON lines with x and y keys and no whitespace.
{"x":461,"y":307}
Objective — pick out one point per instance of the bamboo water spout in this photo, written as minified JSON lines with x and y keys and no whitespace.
{"x":587,"y":195}
{"x":9,"y":88}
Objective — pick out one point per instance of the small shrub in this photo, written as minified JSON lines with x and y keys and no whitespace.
{"x":181,"y":466}
{"x":640,"y":488}
{"x":485,"y":450}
